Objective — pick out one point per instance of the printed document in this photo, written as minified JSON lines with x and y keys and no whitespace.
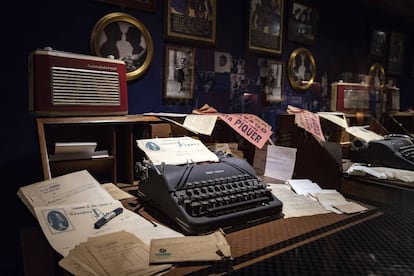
{"x":65,"y":226}
{"x":76,"y":187}
{"x":119,"y":253}
{"x":176,"y":151}
{"x":295,"y":205}
{"x":280,"y":162}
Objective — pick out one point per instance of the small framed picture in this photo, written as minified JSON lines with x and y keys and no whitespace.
{"x":178,"y":72}
{"x":271,"y":74}
{"x":301,"y":69}
{"x":146,"y":5}
{"x":395,"y":58}
{"x":123,"y":37}
{"x":378,"y":42}
{"x":303,"y":23}
{"x":265,"y":26}
{"x":191,"y":20}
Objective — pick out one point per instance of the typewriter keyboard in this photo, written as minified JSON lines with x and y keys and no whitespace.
{"x":407,"y":152}
{"x":215,"y":197}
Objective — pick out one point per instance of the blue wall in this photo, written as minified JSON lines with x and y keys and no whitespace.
{"x":342,"y":46}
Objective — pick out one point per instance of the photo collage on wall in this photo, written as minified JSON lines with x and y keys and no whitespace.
{"x":247,"y":84}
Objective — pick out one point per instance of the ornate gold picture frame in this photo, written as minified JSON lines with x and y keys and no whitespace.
{"x":377,"y":76}
{"x":123,"y":37}
{"x":301,"y":69}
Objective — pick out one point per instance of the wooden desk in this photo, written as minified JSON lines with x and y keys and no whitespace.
{"x":248,"y":246}
{"x":384,"y":191}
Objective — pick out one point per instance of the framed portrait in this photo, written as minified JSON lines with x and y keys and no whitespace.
{"x":396,"y":51}
{"x":378,"y":42}
{"x":302,"y":23}
{"x":301,"y":69}
{"x":123,"y":37}
{"x":377,"y":76}
{"x":146,"y":5}
{"x":271,"y":74}
{"x":191,"y":20}
{"x":178,"y":72}
{"x":265,"y":26}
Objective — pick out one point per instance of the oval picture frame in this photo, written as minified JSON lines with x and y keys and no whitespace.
{"x":301,"y":69}
{"x":123,"y":37}
{"x":377,"y":73}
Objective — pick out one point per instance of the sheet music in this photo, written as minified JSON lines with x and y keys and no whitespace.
{"x":176,"y":151}
{"x":65,"y":226}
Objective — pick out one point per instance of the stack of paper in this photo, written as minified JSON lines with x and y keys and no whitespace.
{"x":330,"y":199}
{"x":68,"y":206}
{"x":76,"y":150}
{"x":118,"y":253}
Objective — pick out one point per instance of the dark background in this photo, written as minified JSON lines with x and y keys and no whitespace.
{"x":342,"y":45}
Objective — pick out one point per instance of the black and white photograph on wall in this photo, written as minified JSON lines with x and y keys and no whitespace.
{"x":179,"y":72}
{"x":395,"y":58}
{"x":378,"y":42}
{"x":271,"y":79}
{"x":266,"y":26}
{"x":123,"y":37}
{"x":222,"y":62}
{"x":303,"y":22}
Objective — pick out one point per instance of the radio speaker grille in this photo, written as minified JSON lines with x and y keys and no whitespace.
{"x":72,"y":86}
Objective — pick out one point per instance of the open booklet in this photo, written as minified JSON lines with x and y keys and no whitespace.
{"x":67,"y":208}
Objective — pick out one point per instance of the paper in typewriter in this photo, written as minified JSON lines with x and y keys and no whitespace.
{"x":176,"y":150}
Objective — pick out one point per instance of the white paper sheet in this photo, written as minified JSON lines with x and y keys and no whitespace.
{"x":176,"y":151}
{"x":65,"y":226}
{"x":76,"y":187}
{"x":280,"y":162}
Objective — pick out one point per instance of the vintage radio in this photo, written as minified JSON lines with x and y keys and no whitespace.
{"x":67,"y":84}
{"x":349,"y":97}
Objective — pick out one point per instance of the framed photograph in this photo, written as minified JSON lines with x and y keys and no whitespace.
{"x":123,"y":37}
{"x":303,"y":23}
{"x":146,"y":5}
{"x":378,"y":42}
{"x":377,"y":76}
{"x":179,"y":72}
{"x":271,"y":74}
{"x":301,"y":69}
{"x":191,"y":20}
{"x":265,"y":26}
{"x":395,"y":58}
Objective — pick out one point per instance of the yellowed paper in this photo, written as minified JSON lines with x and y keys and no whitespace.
{"x":212,"y":247}
{"x":122,"y":253}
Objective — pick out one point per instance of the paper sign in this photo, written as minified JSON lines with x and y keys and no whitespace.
{"x":310,"y":122}
{"x":251,"y":127}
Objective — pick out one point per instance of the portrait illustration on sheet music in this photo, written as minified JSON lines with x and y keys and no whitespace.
{"x":57,"y":221}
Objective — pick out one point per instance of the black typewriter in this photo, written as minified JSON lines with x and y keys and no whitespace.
{"x":203,"y":197}
{"x":394,"y":151}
